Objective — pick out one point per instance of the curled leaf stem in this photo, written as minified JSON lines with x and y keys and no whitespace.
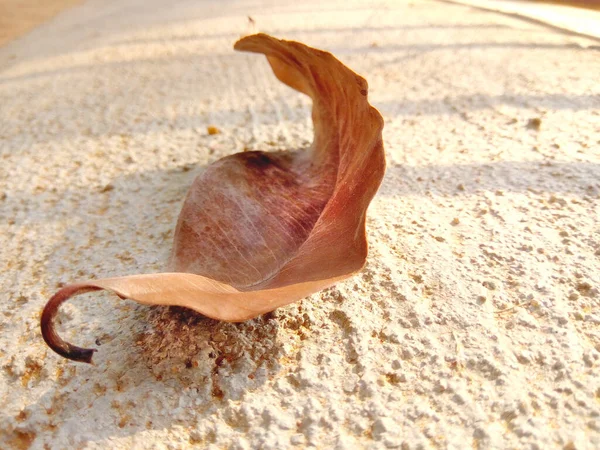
{"x":54,"y":341}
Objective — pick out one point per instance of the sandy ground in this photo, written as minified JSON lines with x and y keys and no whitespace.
{"x":476,"y":322}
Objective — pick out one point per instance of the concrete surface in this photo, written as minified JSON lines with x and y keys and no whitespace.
{"x":566,"y":18}
{"x":474,"y":324}
{"x":17,"y":17}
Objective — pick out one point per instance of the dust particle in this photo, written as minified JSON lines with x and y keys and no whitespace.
{"x":417,"y":278}
{"x":534,"y":124}
{"x":124,"y":420}
{"x":22,"y":439}
{"x":489,"y":285}
{"x":585,"y":289}
{"x":186,"y":167}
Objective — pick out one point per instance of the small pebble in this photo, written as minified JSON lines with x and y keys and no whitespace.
{"x":489,"y":285}
{"x":534,"y":123}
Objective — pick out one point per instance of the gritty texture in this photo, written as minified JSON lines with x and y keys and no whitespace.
{"x":476,"y":321}
{"x":554,"y":14}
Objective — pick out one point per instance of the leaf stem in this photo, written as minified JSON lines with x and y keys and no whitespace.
{"x":54,"y":341}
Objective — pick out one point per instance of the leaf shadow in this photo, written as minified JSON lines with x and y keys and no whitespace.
{"x":142,"y":349}
{"x":449,"y":180}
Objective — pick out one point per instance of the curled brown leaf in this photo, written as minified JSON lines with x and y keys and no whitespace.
{"x":259,"y":230}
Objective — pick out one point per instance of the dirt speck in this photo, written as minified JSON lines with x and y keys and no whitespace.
{"x":21,"y":440}
{"x":489,"y":285}
{"x":416,"y":277}
{"x":586,"y":289}
{"x":534,"y":123}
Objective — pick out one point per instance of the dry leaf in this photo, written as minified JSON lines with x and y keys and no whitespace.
{"x":260,"y":230}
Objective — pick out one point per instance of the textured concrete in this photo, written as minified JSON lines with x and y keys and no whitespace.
{"x":566,"y":18}
{"x":476,"y":322}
